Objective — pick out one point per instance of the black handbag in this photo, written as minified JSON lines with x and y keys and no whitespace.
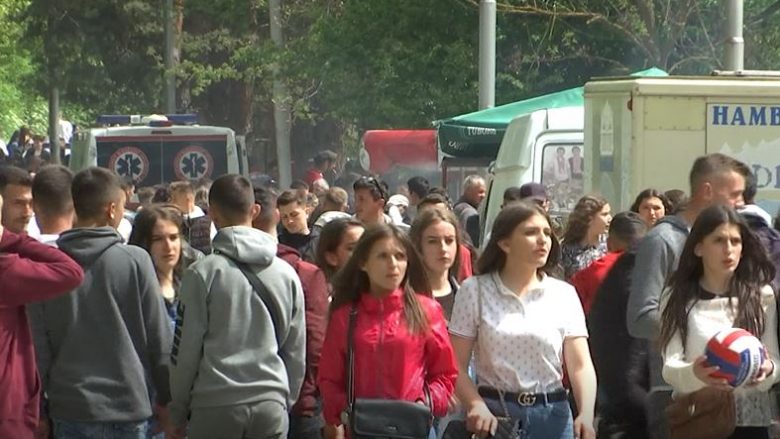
{"x":381,"y":418}
{"x":508,"y":428}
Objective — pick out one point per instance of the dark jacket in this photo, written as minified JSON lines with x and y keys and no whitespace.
{"x":620,"y":359}
{"x":109,"y":336}
{"x":769,"y":237}
{"x":29,"y":272}
{"x":315,"y":301}
{"x":304,"y":245}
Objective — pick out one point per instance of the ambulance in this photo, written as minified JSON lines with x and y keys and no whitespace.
{"x":159,"y":149}
{"x":635,"y":133}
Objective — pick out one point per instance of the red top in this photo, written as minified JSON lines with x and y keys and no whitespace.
{"x":315,"y":301}
{"x":390,"y":363}
{"x":312,"y":175}
{"x":29,"y":272}
{"x":588,"y":280}
{"x":466,"y":269}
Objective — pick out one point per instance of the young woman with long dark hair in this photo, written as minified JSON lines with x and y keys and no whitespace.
{"x":723,"y":281}
{"x":521,"y":324}
{"x":400,"y":336}
{"x":338,"y":239}
{"x":435,"y":235}
{"x":584,"y":238}
{"x":157,"y":229}
{"x":651,"y":205}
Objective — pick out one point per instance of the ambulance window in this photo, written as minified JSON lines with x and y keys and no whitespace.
{"x":562,"y":175}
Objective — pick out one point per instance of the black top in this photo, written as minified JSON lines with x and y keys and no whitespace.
{"x":620,"y":360}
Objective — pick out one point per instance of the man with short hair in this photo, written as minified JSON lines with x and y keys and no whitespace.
{"x":16,"y":190}
{"x":535,"y":193}
{"x":323,"y":163}
{"x":198,"y":228}
{"x":371,"y":195}
{"x":305,"y":416}
{"x":110,"y":336}
{"x":29,"y":272}
{"x":760,"y":222}
{"x":295,"y":224}
{"x":52,"y":202}
{"x":625,"y":231}
{"x":620,"y":360}
{"x":238,"y":360}
{"x":54,"y":214}
{"x":474,"y":191}
{"x":418,"y":188}
{"x":714,"y":179}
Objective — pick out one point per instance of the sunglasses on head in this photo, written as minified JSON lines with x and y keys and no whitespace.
{"x":374,"y":182}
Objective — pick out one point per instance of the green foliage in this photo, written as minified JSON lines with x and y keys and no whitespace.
{"x":349,"y":65}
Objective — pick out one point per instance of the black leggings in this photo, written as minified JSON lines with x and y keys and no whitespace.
{"x":750,"y":433}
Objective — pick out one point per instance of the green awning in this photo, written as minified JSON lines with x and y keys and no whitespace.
{"x":479,"y":134}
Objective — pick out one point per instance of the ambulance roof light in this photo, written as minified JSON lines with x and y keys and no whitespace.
{"x":157,"y":119}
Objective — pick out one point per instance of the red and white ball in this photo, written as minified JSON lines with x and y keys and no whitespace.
{"x":738,"y":355}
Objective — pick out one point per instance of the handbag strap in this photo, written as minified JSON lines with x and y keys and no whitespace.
{"x":351,"y":357}
{"x":351,"y":364}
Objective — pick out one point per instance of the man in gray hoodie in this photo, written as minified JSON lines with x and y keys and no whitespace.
{"x":235,"y":372}
{"x":110,"y":336}
{"x":714,"y":179}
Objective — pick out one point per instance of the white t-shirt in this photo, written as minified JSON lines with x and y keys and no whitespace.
{"x":705,"y":319}
{"x":519,"y":340}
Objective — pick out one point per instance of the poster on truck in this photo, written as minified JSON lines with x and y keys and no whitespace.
{"x":751,"y":133}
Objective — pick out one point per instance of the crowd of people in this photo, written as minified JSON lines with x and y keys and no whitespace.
{"x":233,"y":309}
{"x":29,"y":150}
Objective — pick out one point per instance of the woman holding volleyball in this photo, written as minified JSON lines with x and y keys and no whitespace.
{"x":723,"y":281}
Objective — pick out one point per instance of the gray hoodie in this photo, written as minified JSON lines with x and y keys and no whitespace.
{"x":657,"y":257}
{"x":108,"y":335}
{"x":225,"y":350}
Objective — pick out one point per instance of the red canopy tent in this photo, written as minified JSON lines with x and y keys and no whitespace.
{"x":384,"y":149}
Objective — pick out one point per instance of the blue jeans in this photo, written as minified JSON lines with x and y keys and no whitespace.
{"x":99,"y":430}
{"x":550,"y":421}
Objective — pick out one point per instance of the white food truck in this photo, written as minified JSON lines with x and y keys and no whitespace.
{"x":637,"y":133}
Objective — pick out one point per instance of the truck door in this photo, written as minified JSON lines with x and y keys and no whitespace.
{"x":162,"y":158}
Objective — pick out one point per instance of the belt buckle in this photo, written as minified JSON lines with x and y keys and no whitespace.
{"x":526,"y":399}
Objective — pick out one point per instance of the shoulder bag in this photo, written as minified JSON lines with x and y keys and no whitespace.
{"x":708,"y":413}
{"x":508,"y":428}
{"x":381,"y":418}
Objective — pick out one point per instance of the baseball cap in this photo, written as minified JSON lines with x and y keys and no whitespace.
{"x":533,"y":191}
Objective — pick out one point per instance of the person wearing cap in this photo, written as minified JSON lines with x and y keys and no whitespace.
{"x":324,"y":162}
{"x":536,"y":193}
{"x":396,"y":208}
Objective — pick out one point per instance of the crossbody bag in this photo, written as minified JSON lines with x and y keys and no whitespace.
{"x":381,"y":418}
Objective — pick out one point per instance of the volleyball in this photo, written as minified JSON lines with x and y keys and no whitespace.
{"x":738,"y":355}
